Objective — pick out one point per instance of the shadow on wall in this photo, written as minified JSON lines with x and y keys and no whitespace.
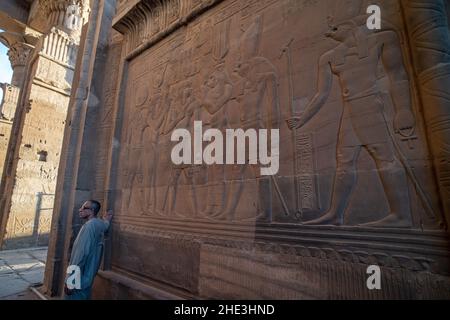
{"x":41,"y":240}
{"x":35,"y":230}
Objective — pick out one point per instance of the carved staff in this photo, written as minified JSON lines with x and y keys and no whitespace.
{"x":287,"y":50}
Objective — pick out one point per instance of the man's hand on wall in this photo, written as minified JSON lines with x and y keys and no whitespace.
{"x":109,"y":215}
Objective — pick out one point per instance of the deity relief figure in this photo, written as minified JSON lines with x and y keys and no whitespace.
{"x":257,"y":94}
{"x":363,"y":123}
{"x":180,"y":115}
{"x":157,"y":111}
{"x":216,"y":93}
{"x":135,"y":145}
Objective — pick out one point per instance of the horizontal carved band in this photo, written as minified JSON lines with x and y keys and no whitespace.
{"x":324,"y":243}
{"x":142,"y":21}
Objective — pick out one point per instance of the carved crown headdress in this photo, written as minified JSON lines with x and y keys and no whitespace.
{"x":341,"y":11}
{"x":250,"y":39}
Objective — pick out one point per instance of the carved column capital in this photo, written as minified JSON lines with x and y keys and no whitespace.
{"x":65,"y":14}
{"x":18,"y":54}
{"x":49,"y":6}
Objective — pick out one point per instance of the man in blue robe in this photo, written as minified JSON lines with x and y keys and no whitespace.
{"x":87,"y":249}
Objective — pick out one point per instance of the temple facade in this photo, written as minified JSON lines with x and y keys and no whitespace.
{"x":362,"y":112}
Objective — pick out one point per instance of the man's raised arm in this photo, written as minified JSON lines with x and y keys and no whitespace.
{"x":107,"y":219}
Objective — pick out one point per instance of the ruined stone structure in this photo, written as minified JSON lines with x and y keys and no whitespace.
{"x":43,"y":37}
{"x":364,"y":148}
{"x":7,"y":111}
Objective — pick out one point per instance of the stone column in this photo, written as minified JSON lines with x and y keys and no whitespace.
{"x":79,"y":153}
{"x":428,"y":32}
{"x":18,"y":55}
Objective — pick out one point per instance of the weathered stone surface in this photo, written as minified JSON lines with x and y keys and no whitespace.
{"x":363,"y":170}
{"x":91,"y":114}
{"x":19,"y":270}
{"x":355,"y":186}
{"x":162,"y":88}
{"x":32,"y":160}
{"x":7,"y":112}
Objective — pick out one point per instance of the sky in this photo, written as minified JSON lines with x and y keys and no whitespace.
{"x":5,"y":67}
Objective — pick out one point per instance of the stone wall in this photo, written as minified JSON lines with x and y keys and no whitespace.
{"x":45,"y":77}
{"x":5,"y":131}
{"x":7,"y":110}
{"x":362,"y":182}
{"x":83,"y":171}
{"x":32,"y":195}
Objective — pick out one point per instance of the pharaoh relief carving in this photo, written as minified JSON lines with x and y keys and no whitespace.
{"x":54,"y":74}
{"x":73,"y":18}
{"x":237,"y":71}
{"x":182,"y":104}
{"x":202,"y":38}
{"x":217,"y":92}
{"x":154,"y":127}
{"x":256,"y":91}
{"x":18,"y":54}
{"x":133,"y":174}
{"x":234,"y":91}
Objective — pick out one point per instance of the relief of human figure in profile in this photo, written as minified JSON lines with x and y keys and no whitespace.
{"x":216,"y":93}
{"x":134,"y":175}
{"x":363,"y":123}
{"x":157,"y":111}
{"x":182,"y":107}
{"x":256,"y":93}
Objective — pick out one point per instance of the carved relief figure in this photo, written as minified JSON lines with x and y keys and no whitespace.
{"x":257,"y":93}
{"x":173,"y":10}
{"x":73,"y":17}
{"x":202,"y":37}
{"x":221,"y":40}
{"x":363,"y":124}
{"x":217,"y":91}
{"x":156,"y":20}
{"x":180,"y":114}
{"x":157,"y":112}
{"x":137,"y":125}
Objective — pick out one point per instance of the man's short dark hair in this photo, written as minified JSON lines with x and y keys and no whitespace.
{"x":95,"y":206}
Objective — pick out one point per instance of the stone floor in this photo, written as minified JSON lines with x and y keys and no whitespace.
{"x":19,"y":270}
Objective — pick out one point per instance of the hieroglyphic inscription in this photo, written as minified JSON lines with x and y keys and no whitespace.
{"x":305,"y":170}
